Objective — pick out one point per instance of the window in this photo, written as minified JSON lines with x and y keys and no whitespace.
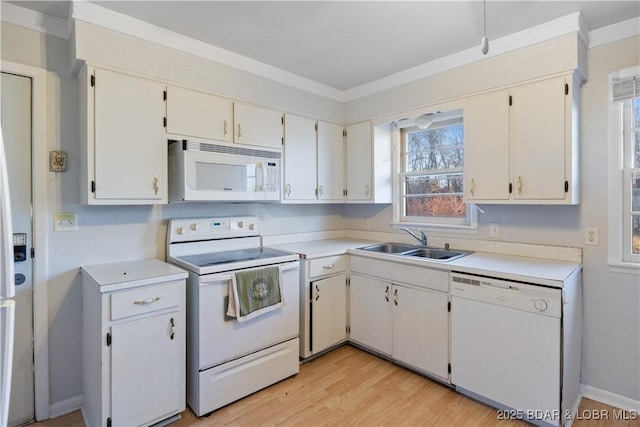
{"x":431,"y":175}
{"x":624,"y":205}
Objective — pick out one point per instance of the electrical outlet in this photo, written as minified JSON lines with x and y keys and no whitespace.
{"x":65,"y":221}
{"x":494,"y":230}
{"x":591,"y":236}
{"x":365,"y":223}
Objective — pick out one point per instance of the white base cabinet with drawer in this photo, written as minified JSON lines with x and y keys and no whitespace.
{"x":401,"y":311}
{"x":323,"y":304}
{"x":133,"y":343}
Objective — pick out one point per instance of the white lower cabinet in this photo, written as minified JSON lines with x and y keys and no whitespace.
{"x":133,"y":343}
{"x":401,"y":311}
{"x":323,"y":304}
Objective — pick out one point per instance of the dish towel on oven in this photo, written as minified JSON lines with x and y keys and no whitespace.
{"x":255,"y":292}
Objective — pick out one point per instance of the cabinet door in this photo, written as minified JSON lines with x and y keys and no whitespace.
{"x":299,"y":158}
{"x":421,"y":329}
{"x":486,"y":147}
{"x":370,"y":313}
{"x":328,"y":312}
{"x":146,"y":370}
{"x":199,"y":114}
{"x":257,"y":126}
{"x":130,"y":146}
{"x":537,"y":119}
{"x":359,"y":161}
{"x":330,"y":162}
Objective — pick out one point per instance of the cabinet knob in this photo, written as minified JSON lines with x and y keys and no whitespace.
{"x":156,"y":184}
{"x":239,"y":132}
{"x":366,"y":190}
{"x":225,"y":129}
{"x":321,"y":190}
{"x":288,"y":189}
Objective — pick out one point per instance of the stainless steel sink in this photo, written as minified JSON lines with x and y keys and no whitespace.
{"x":435,"y":254}
{"x":403,"y":249}
{"x":389,"y":248}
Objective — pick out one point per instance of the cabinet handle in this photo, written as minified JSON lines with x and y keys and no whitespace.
{"x":328,"y":267}
{"x":472,"y":188}
{"x":172,"y":329}
{"x":288,"y":189}
{"x":156,"y":184}
{"x":225,"y":129}
{"x":146,"y":301}
{"x":386,"y":293}
{"x":520,"y":185}
{"x":395,"y":296}
{"x":239,"y":132}
{"x":366,"y":190}
{"x":317,"y":292}
{"x":321,"y":190}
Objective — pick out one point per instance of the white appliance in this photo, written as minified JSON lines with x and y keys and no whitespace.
{"x":200,"y":171}
{"x":228,"y":359}
{"x":7,"y":289}
{"x":506,"y":346}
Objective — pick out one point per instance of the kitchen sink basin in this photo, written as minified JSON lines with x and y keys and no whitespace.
{"x":403,"y":249}
{"x":389,"y":248}
{"x":435,"y":254}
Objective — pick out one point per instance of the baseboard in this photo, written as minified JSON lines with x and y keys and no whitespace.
{"x":66,"y":406}
{"x":609,"y":398}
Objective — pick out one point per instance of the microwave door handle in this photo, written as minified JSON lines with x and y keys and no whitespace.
{"x":260,"y":185}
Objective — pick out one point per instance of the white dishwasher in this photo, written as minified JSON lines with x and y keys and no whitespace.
{"x":506,"y":346}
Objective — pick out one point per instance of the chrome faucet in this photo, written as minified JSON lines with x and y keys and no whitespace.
{"x":422,"y":239}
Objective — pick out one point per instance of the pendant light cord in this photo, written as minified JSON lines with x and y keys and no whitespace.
{"x":484,"y":8}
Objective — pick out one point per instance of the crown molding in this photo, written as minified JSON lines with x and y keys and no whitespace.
{"x":547,"y":31}
{"x":615,"y":32}
{"x":36,"y":21}
{"x":112,"y":20}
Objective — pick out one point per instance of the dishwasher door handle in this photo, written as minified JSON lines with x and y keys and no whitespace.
{"x":499,"y":287}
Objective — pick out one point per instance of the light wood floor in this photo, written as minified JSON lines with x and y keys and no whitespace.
{"x":349,"y":387}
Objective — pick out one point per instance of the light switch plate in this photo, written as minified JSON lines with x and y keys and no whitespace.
{"x":65,"y":221}
{"x":494,"y":230}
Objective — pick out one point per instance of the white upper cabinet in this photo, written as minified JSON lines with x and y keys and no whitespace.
{"x":368,"y":163}
{"x":521,"y":144}
{"x":199,"y":114}
{"x":254,"y":125}
{"x":313,"y":161}
{"x":125,"y":158}
{"x":330,"y":162}
{"x":299,"y":158}
{"x":486,"y":148}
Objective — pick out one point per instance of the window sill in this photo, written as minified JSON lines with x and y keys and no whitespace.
{"x":449,"y":228}
{"x":624,"y":267}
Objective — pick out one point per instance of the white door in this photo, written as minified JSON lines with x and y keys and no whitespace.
{"x":421,"y":329}
{"x":330,"y":162}
{"x":299,"y":158}
{"x":359,"y":161}
{"x":16,"y":125}
{"x":370,"y":313}
{"x":328,"y":312}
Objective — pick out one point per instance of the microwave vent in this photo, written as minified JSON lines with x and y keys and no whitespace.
{"x":225,"y":149}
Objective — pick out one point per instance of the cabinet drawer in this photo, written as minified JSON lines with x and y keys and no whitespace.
{"x":146,"y":300}
{"x":327,"y":265}
{"x":399,"y":273}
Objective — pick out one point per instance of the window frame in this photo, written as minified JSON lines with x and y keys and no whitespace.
{"x":468,"y":224}
{"x":621,"y":140}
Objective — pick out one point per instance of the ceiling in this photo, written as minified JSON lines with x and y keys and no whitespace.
{"x":345,"y":44}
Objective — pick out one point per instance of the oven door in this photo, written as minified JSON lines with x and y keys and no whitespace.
{"x":221,"y":338}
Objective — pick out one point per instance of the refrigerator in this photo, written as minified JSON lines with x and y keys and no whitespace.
{"x":7,"y":289}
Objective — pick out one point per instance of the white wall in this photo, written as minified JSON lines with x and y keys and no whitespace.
{"x":611,"y":345}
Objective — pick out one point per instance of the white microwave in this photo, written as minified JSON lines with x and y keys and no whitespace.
{"x":201,"y":171}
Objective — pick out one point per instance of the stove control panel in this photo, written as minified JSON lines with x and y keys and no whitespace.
{"x":193,"y":229}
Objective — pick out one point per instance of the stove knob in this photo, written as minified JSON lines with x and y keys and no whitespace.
{"x":240,"y":224}
{"x":194,"y":226}
{"x":541,"y":305}
{"x":179,"y":230}
{"x":251,"y":226}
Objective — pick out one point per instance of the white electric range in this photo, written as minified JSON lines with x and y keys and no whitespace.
{"x":228,"y":359}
